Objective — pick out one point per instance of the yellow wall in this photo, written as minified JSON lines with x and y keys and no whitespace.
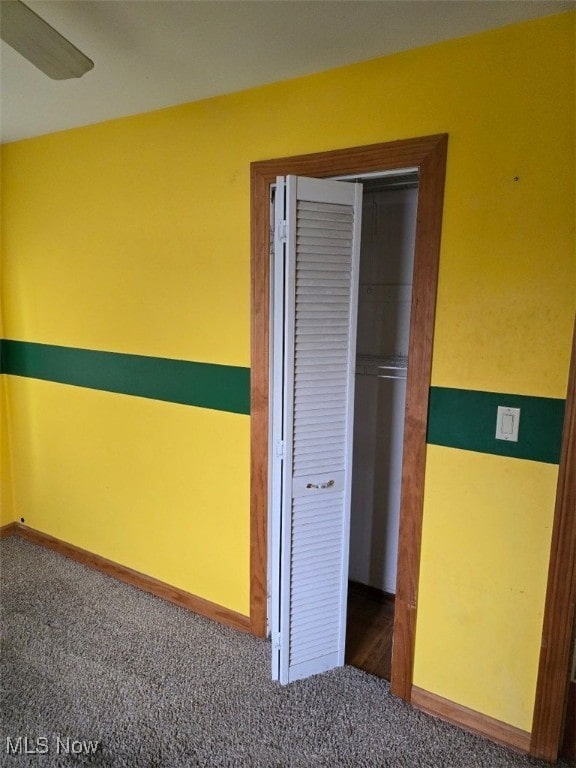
{"x":7,"y":513}
{"x":482,"y":580}
{"x":120,"y":476}
{"x":133,"y":236}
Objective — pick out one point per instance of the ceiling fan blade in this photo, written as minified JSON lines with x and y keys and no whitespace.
{"x":40,"y":43}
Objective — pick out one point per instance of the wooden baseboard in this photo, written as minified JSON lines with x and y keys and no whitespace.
{"x":159,"y":588}
{"x":470,"y":720}
{"x":8,"y":530}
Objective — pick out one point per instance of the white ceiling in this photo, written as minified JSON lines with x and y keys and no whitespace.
{"x":153,"y":54}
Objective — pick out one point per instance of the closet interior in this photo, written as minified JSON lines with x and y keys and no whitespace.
{"x":384,"y":301}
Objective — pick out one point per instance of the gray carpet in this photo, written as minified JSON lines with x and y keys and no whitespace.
{"x":87,"y":658}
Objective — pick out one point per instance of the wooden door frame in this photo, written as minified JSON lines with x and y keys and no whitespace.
{"x":554,"y":665}
{"x":428,"y":154}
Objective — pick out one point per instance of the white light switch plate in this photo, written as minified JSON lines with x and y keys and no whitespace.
{"x":507,"y":423}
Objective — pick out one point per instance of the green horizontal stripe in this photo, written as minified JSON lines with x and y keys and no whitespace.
{"x":463,"y":418}
{"x":205,"y":385}
{"x":458,"y":418}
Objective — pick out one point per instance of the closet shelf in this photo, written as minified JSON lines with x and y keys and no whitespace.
{"x":383,"y":367}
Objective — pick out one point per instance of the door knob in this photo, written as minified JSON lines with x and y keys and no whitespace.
{"x":329,"y":484}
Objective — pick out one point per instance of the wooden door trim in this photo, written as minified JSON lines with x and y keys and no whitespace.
{"x":428,"y":154}
{"x":553,"y":669}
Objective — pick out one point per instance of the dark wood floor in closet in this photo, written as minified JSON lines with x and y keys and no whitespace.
{"x":369,"y":629}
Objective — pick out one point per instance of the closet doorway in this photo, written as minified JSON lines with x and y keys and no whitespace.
{"x":384,"y":302}
{"x":428,"y":155}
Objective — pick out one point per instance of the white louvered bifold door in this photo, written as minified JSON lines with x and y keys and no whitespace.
{"x":319,"y":237}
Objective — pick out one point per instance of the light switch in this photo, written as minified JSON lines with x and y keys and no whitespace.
{"x":507,"y":423}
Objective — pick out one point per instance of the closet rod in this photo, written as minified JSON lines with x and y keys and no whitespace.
{"x":382,"y":376}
